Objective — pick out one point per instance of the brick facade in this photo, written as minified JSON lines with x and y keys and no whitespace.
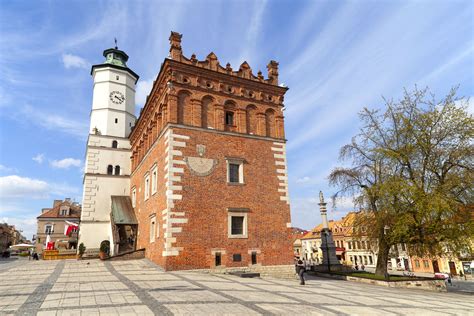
{"x":198,"y":118}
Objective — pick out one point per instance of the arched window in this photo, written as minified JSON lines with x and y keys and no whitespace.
{"x":270,"y":123}
{"x":250,"y":119}
{"x":114,"y":144}
{"x":110,"y":169}
{"x":117,"y":170}
{"x":183,"y":103}
{"x":205,"y":108}
{"x":229,"y":118}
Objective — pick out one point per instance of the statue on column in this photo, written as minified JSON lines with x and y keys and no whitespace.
{"x":330,"y":261}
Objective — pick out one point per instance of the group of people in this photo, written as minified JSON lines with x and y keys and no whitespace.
{"x":32,"y":255}
{"x":362,"y":267}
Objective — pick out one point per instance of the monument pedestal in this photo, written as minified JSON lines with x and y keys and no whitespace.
{"x":328,"y":247}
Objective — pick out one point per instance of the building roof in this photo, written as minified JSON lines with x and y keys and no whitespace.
{"x":74,"y":211}
{"x":344,"y":223}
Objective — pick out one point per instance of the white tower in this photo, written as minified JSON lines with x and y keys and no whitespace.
{"x":107,"y":166}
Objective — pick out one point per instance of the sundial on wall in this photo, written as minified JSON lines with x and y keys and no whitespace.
{"x":201,"y":166}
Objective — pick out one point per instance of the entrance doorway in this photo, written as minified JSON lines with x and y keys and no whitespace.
{"x":405,"y":264}
{"x":127,"y":237}
{"x":452,"y":268}
{"x":435,"y":266}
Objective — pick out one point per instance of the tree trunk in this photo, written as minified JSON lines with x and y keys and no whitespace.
{"x":382,"y":257}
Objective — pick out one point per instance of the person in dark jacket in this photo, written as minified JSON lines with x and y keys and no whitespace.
{"x":300,"y":269}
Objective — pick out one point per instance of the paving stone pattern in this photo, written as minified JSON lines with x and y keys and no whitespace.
{"x":139,"y":287}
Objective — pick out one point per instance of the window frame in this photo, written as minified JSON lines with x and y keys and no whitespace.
{"x":231,"y":115}
{"x":240,"y":163}
{"x":146,"y":194}
{"x":51,"y":231}
{"x":230,"y":215}
{"x":154,"y":179}
{"x":134,"y":196}
{"x":153,"y":225}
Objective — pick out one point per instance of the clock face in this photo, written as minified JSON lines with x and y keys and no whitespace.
{"x":117,"y":97}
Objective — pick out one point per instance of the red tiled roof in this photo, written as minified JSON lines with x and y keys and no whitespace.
{"x":75,"y":211}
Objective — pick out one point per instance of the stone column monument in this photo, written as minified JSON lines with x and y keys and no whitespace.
{"x":328,"y":247}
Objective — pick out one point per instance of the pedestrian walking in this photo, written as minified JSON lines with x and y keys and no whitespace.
{"x":300,"y":269}
{"x":362,"y":267}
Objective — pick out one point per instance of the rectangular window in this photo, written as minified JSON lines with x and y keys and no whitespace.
{"x":48,"y":229}
{"x":349,"y":245}
{"x":134,"y":197}
{"x":229,"y":118}
{"x":254,"y":257}
{"x":426,"y":264}
{"x":234,"y":173}
{"x":235,"y":170}
{"x":152,"y":229}
{"x":404,"y":247}
{"x":417,"y":263}
{"x":237,"y":257}
{"x":371,"y":261}
{"x":147,"y":186}
{"x":237,"y":225}
{"x":154,"y":179}
{"x":218,"y":259}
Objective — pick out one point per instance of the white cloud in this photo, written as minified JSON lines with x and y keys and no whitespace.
{"x":53,"y":122}
{"x":143,"y":89}
{"x":65,"y":163}
{"x":305,"y":179}
{"x":73,"y":61}
{"x":7,"y":169}
{"x":15,"y":186}
{"x":39,"y":158}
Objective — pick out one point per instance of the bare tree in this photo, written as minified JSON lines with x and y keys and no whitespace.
{"x":412,"y":174}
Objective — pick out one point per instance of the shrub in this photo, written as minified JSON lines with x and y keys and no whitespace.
{"x":105,"y":247}
{"x":82,"y":249}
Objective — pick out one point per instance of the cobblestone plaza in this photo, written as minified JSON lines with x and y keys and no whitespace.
{"x":139,"y":287}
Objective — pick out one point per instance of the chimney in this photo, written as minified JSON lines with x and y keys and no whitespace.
{"x":273,"y":72}
{"x":175,"y":46}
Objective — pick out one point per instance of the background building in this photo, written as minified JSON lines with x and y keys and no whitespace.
{"x":9,"y":236}
{"x":54,"y":222}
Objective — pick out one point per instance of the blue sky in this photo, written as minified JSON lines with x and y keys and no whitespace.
{"x":336,"y":57}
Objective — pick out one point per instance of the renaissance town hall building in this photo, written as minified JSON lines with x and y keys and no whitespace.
{"x":199,"y":179}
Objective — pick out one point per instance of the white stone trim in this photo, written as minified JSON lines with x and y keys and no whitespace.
{"x":172,"y":169}
{"x":279,"y":153}
{"x":288,"y":225}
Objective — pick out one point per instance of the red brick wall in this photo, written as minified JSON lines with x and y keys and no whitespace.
{"x":154,"y":205}
{"x":205,"y":201}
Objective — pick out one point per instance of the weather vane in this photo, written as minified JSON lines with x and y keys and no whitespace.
{"x":115,"y":39}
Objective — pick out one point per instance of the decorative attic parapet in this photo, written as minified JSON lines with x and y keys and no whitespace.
{"x":273,"y":72}
{"x":175,"y":46}
{"x":212,"y":63}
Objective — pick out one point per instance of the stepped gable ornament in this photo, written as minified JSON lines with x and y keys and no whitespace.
{"x":200,"y":166}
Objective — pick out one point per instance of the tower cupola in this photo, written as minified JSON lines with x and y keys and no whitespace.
{"x":117,"y":57}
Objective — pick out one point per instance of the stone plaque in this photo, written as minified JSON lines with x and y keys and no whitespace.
{"x":201,"y":166}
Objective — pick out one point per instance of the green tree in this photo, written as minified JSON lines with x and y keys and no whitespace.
{"x":411,"y":171}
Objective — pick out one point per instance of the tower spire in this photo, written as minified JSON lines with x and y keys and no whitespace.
{"x":115,"y":40}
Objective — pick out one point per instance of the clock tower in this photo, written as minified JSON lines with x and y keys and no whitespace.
{"x":107,"y":166}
